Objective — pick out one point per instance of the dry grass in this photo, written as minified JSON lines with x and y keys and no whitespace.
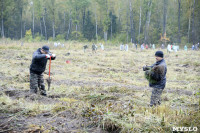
{"x":108,"y":88}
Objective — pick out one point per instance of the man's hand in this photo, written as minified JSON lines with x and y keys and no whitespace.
{"x":48,"y":56}
{"x":53,"y":55}
{"x":145,"y":68}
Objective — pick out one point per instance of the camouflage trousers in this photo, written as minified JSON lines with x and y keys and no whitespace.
{"x":156,"y":97}
{"x":37,"y":81}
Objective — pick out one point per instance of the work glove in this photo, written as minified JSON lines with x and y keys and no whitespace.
{"x":48,"y":56}
{"x":53,"y":55}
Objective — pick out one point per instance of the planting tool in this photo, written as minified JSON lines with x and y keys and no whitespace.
{"x":49,"y":78}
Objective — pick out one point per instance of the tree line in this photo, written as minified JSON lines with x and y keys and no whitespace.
{"x":123,"y":21}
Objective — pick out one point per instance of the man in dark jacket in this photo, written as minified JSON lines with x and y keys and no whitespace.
{"x":37,"y":68}
{"x":94,"y":48}
{"x":159,"y":75}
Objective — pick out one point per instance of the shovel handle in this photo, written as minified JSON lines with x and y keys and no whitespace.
{"x":49,"y":67}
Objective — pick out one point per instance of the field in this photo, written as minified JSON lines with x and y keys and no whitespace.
{"x":97,"y":92}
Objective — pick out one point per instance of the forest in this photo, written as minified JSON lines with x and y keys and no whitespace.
{"x":116,"y":21}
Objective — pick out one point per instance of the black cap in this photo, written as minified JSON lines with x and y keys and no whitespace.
{"x":46,"y":48}
{"x":159,"y":54}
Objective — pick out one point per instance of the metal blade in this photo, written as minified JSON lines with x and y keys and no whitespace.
{"x":49,"y":83}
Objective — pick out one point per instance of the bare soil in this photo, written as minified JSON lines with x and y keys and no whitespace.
{"x":63,"y":122}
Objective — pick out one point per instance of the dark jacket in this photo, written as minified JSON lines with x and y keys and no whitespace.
{"x":161,"y":78}
{"x":39,"y":62}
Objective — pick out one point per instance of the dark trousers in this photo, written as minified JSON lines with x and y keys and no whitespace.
{"x":156,"y":96}
{"x":37,"y":81}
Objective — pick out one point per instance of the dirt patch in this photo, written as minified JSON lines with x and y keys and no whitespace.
{"x":186,"y":65}
{"x":2,"y":76}
{"x":30,"y":97}
{"x":56,"y":96}
{"x":113,"y":70}
{"x":64,"y":121}
{"x":10,"y":123}
{"x":178,"y":70}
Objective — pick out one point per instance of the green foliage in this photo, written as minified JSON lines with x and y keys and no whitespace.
{"x":141,"y":38}
{"x":76,"y":35}
{"x":121,"y":37}
{"x":106,"y":23}
{"x":148,"y":76}
{"x":50,"y":39}
{"x":38,"y":8}
{"x":88,"y":29}
{"x":38,"y":37}
{"x":85,"y":14}
{"x":60,"y":37}
{"x":184,"y":40}
{"x":28,"y":36}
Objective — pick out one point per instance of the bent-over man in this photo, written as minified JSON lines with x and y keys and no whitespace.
{"x":38,"y":66}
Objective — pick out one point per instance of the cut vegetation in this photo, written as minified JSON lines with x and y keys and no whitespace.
{"x":102,"y":92}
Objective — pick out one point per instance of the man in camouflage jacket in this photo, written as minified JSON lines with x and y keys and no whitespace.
{"x":158,"y":75}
